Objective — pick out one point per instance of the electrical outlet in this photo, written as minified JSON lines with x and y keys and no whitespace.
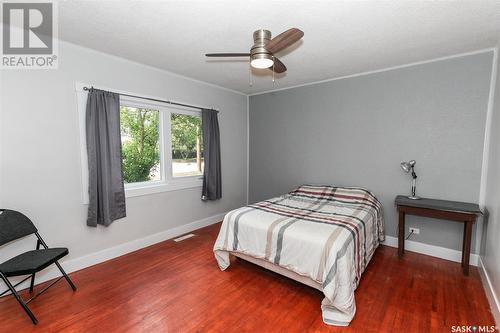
{"x":416,"y":231}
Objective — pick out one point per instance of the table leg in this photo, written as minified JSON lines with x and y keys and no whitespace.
{"x":401,"y":234}
{"x":463,"y":243}
{"x":466,"y":246}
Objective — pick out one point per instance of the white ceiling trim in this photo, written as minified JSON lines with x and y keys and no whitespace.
{"x":161,"y":70}
{"x":458,"y":55}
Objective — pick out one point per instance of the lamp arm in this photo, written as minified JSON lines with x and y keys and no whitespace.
{"x":413,"y":174}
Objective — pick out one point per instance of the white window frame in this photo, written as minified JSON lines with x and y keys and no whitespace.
{"x":167,"y":182}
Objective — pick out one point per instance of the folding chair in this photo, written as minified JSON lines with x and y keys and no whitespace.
{"x":14,"y":225}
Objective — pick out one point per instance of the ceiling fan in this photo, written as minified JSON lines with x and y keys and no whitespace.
{"x":263,"y":50}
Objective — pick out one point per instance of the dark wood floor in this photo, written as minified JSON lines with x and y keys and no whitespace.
{"x":177,"y":287}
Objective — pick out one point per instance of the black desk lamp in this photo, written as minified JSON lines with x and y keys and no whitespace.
{"x":407,"y":166}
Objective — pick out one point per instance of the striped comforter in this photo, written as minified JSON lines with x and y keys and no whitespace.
{"x":325,"y":233}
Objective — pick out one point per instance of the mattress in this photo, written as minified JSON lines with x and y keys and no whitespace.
{"x":324,"y":235}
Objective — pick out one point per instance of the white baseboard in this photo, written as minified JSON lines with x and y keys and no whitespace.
{"x":490,"y":292}
{"x":76,"y":264}
{"x":432,"y":250}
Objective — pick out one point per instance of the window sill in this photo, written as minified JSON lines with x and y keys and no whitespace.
{"x":136,"y":190}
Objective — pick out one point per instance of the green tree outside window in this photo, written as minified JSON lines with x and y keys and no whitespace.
{"x":187,"y":142}
{"x":140,"y":134}
{"x":140,"y":143}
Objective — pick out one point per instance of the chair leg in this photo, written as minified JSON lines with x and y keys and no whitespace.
{"x":32,"y":283}
{"x":66,"y":276}
{"x":19,"y":299}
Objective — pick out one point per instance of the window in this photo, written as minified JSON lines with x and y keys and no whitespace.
{"x":140,"y":135}
{"x":187,"y":145}
{"x":162,"y":146}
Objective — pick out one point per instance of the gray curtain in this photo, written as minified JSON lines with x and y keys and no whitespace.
{"x":106,"y":190}
{"x":212,"y":181}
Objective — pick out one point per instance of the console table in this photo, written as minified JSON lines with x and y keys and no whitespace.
{"x":463,"y":212}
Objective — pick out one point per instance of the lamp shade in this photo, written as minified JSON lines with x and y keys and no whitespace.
{"x":406,"y":166}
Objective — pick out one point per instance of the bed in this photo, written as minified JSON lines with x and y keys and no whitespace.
{"x":322,"y":236}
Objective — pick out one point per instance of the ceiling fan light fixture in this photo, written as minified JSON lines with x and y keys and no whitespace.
{"x":261,"y":60}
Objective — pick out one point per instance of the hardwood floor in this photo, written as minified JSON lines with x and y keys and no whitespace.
{"x":177,"y":287}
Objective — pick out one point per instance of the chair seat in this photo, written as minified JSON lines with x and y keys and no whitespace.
{"x":32,"y":261}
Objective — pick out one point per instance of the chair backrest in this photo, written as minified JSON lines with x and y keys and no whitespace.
{"x":14,"y":225}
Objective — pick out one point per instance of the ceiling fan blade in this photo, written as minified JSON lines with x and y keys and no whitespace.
{"x":284,"y":40}
{"x":278,"y":66}
{"x":227,"y":54}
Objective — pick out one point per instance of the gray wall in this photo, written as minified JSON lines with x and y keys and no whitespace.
{"x":40,"y":151}
{"x":491,"y":243}
{"x":356,"y":131}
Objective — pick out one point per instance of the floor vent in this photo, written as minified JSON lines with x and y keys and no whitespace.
{"x":178,"y":239}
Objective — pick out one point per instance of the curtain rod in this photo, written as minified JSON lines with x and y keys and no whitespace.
{"x":159,"y":100}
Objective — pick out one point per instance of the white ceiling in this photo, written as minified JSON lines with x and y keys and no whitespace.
{"x":341,"y":37}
